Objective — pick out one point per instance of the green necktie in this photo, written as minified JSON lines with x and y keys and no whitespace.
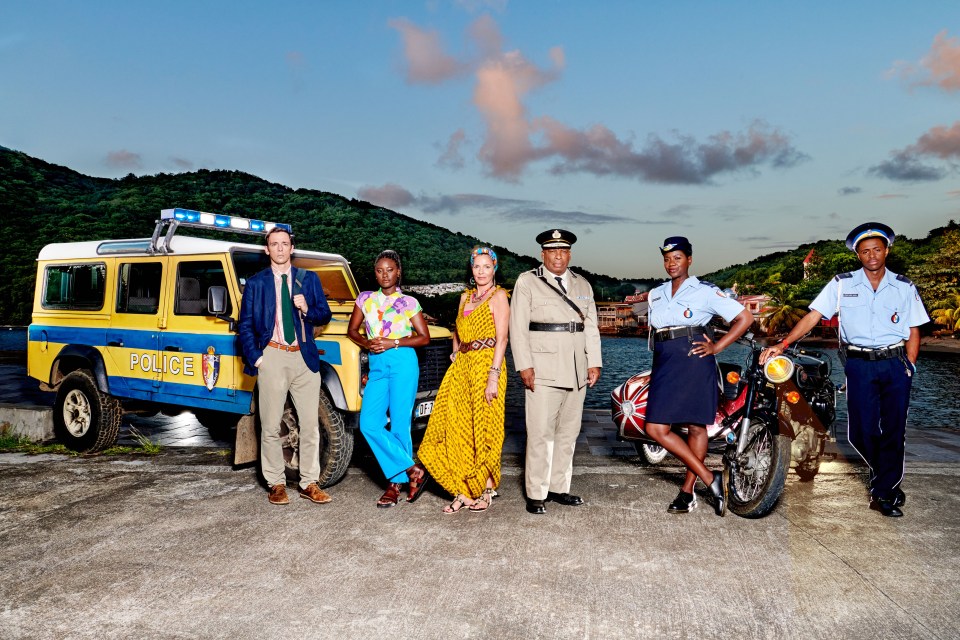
{"x":286,"y":311}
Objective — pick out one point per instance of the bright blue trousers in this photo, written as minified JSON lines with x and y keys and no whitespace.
{"x":391,"y":389}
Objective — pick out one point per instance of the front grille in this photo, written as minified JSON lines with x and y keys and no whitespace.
{"x":434,"y":360}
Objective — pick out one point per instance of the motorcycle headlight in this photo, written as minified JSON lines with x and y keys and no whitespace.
{"x":778,"y":369}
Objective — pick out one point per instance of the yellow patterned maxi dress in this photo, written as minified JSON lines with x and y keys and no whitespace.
{"x":464,"y":438}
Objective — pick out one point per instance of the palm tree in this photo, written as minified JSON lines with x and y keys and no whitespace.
{"x":784,"y":310}
{"x":947,"y":312}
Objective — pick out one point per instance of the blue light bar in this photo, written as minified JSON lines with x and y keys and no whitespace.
{"x":237,"y":224}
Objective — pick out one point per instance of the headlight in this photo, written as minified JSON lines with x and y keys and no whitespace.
{"x":778,"y":369}
{"x":627,"y":408}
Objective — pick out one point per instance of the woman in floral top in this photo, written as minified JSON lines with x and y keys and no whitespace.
{"x":392,"y":326}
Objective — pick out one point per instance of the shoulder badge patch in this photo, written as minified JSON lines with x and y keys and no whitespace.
{"x":903,"y":278}
{"x":848,"y":274}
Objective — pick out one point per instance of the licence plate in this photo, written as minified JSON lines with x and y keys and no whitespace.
{"x":424,"y":409}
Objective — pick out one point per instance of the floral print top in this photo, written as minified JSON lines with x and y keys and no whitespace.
{"x":387,"y":316}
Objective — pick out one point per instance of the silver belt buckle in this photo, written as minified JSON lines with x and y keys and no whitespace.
{"x":572,"y":326}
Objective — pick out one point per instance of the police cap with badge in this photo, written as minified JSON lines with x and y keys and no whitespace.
{"x":677,"y":243}
{"x":556,"y":239}
{"x":869,"y":230}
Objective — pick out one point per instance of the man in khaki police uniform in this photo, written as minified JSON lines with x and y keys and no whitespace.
{"x":556,"y":349}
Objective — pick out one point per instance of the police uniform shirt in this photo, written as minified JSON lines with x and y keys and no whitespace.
{"x":871,"y":318}
{"x":694,"y":304}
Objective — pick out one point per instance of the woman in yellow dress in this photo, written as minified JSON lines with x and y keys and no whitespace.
{"x":464,"y":438}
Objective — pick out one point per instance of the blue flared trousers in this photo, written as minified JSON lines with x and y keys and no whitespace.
{"x":391,"y":390}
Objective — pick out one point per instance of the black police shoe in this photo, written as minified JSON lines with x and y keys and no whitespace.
{"x":886,"y":507}
{"x":719,"y":491}
{"x":565,"y":499}
{"x":535,"y":507}
{"x":899,"y":498}
{"x":684,"y":503}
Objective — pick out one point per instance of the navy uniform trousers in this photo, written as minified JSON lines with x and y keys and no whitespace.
{"x":878,"y":396}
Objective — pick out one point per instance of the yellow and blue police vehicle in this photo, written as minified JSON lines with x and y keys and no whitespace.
{"x":150,"y":325}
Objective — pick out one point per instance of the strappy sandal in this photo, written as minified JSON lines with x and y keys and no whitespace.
{"x":418,"y":480}
{"x":484,"y":501}
{"x":455,"y":506}
{"x":390,"y":497}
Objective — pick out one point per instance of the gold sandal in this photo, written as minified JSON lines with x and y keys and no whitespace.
{"x":455,"y":506}
{"x":484,"y":501}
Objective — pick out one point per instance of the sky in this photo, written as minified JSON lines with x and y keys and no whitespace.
{"x":748,"y":127}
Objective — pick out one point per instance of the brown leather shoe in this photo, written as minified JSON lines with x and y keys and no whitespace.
{"x":418,"y":480}
{"x":278,"y":495}
{"x":390,"y":497}
{"x":314,"y":493}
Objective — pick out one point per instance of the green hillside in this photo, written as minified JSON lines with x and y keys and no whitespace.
{"x":42,"y":203}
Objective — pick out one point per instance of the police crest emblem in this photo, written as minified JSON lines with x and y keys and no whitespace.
{"x":210,"y":368}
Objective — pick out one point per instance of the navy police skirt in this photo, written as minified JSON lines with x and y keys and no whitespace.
{"x":683,"y":389}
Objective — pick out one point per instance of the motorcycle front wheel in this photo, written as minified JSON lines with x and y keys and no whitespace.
{"x":651,"y":453}
{"x":758,"y":475}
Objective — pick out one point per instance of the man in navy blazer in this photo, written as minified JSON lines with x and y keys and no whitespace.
{"x":281,"y":306}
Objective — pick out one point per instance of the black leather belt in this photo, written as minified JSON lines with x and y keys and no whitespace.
{"x":881,"y":353}
{"x":671,"y":333}
{"x":572,"y":327}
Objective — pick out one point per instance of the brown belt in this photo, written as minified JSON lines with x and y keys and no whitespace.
{"x":284,"y":347}
{"x":476,"y":345}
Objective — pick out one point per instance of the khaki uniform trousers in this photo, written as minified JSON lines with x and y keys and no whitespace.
{"x":282,"y":372}
{"x":554,"y":416}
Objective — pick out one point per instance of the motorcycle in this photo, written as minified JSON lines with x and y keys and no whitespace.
{"x":767,"y":415}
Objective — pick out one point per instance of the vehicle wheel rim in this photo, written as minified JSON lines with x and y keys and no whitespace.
{"x":749,"y":479}
{"x":77,"y":414}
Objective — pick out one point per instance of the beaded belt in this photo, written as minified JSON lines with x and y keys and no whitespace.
{"x":476,"y":345}
{"x":670,"y":333}
{"x":572,"y":327}
{"x":879,"y":353}
{"x":284,"y":347}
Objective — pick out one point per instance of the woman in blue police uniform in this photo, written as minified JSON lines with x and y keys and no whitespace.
{"x":684,"y":387}
{"x":880,"y":313}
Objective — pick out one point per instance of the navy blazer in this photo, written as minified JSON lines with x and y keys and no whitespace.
{"x":258,"y":316}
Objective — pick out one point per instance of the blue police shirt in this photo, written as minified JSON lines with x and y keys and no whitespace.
{"x":871,"y":318}
{"x":695,"y":304}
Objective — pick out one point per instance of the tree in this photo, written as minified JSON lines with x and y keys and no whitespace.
{"x":947,"y":312}
{"x":784,"y":310}
{"x":938,"y":278}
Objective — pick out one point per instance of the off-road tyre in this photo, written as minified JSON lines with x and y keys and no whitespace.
{"x":754,"y":490}
{"x":84,"y":418}
{"x":652,"y":454}
{"x":336,"y":442}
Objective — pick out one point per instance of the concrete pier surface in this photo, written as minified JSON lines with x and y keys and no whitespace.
{"x":181,"y":545}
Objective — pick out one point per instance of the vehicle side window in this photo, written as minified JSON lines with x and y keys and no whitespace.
{"x":74,"y":286}
{"x":193,"y":280}
{"x":139,"y":287}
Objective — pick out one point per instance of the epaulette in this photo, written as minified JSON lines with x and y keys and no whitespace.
{"x":903,"y":278}
{"x":848,"y":274}
{"x":709,"y":284}
{"x":538,"y":271}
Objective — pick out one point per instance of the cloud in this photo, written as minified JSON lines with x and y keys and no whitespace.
{"x":953,"y":194}
{"x":474,"y":6}
{"x":394,"y":196}
{"x":682,"y":160}
{"x":940,"y":67}
{"x":849,"y":191}
{"x":181,"y":163}
{"x":426,"y":62}
{"x":678,"y":211}
{"x":123,"y":159}
{"x":514,"y":139}
{"x":452,"y":157}
{"x":390,"y":196}
{"x":891,"y":196}
{"x":940,"y":143}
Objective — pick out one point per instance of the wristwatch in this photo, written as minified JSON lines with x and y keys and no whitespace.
{"x":396,"y":343}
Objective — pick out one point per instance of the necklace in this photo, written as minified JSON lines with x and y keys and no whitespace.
{"x":474,"y":298}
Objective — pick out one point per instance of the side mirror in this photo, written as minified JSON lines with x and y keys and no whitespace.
{"x":216,"y":301}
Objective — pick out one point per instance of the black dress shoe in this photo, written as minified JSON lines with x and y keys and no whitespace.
{"x":719,"y":492}
{"x":886,"y":507}
{"x":535,"y":507}
{"x":684,"y":503}
{"x":565,"y":499}
{"x":899,"y":498}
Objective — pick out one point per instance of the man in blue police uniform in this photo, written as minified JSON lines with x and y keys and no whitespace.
{"x":879,"y":313}
{"x":280,"y":307}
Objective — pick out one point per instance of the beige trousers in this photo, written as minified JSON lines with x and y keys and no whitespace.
{"x":554,"y":416}
{"x":283,"y":372}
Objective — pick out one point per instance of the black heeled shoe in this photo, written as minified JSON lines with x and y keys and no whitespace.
{"x":719,"y":491}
